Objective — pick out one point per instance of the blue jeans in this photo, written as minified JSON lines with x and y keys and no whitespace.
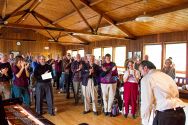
{"x":62,"y":81}
{"x":22,"y":92}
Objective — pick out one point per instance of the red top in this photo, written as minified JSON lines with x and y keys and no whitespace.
{"x":23,"y":80}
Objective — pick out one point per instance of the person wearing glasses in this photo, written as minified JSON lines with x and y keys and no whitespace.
{"x":131,"y":78}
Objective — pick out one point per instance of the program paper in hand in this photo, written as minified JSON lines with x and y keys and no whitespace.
{"x":46,"y":76}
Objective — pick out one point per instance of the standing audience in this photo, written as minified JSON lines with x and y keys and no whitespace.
{"x":43,"y":87}
{"x":131,"y":78}
{"x":58,"y":69}
{"x":5,"y":77}
{"x":76,"y":67}
{"x":169,"y":69}
{"x":21,"y":80}
{"x":90,"y":74}
{"x":67,"y":69}
{"x":109,"y":76}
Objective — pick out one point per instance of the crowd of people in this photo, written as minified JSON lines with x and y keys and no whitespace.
{"x":89,"y":79}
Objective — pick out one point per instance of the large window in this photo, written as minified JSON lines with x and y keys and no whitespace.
{"x":178,"y":54}
{"x":97,"y":53}
{"x":108,"y":51}
{"x":81,"y":52}
{"x":154,"y":54}
{"x":120,"y":53}
{"x":74,"y":53}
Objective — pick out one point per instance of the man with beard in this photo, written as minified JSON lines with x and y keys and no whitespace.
{"x":43,"y":87}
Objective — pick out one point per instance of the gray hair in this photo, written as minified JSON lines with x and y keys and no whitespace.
{"x":41,"y":56}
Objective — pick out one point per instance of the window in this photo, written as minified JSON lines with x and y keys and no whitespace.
{"x":74,"y":53}
{"x":81,"y":52}
{"x":97,"y":53}
{"x":108,"y":51}
{"x":120,"y":57}
{"x":178,"y":54}
{"x":154,"y":54}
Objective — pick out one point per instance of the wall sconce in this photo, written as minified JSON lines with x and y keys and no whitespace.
{"x":18,"y":43}
{"x":46,"y":48}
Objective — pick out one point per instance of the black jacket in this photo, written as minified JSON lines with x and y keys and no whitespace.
{"x":85,"y":74}
{"x":41,"y":69}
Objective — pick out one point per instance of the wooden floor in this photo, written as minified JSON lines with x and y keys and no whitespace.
{"x":70,"y":114}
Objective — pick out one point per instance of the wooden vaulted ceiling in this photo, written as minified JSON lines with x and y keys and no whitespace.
{"x":84,"y":21}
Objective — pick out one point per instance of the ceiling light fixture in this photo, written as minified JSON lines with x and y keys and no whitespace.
{"x":46,"y":47}
{"x":144,"y":18}
{"x":51,"y":40}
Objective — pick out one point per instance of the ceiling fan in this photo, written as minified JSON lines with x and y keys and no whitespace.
{"x":53,"y":40}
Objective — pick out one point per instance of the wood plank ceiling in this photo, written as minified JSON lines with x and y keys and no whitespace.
{"x":84,"y":21}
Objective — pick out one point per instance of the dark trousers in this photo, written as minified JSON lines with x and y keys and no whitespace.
{"x":44,"y":90}
{"x":68,"y":84}
{"x":58,"y":75}
{"x":3,"y":120}
{"x":172,"y":117}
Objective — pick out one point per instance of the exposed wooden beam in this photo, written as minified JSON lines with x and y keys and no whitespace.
{"x":104,"y":13}
{"x":56,"y":25}
{"x":15,"y":11}
{"x":99,"y":34}
{"x":16,"y":14}
{"x":74,"y":12}
{"x":45,"y":19}
{"x":159,"y":12}
{"x":3,"y":13}
{"x":31,"y":8}
{"x":98,"y":23}
{"x":71,"y":32}
{"x":81,"y":15}
{"x":107,"y":18}
{"x":96,"y":2}
{"x":72,"y":43}
{"x":59,"y":35}
{"x":43,"y":26}
{"x":21,"y":18}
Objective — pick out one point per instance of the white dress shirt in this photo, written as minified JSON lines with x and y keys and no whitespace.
{"x":134,"y":75}
{"x":158,"y":90}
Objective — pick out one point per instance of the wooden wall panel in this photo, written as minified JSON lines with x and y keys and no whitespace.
{"x":9,"y":37}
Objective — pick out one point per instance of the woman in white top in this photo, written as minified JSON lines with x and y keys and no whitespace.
{"x":131,"y":78}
